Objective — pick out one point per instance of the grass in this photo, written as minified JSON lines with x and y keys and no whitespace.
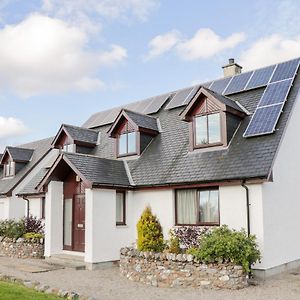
{"x":13,"y":291}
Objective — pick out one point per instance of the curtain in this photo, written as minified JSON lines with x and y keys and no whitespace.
{"x":209,"y":206}
{"x":119,"y":208}
{"x":187,"y":206}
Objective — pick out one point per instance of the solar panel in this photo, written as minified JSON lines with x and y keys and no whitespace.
{"x":285,"y":70}
{"x":156,"y":103}
{"x":238,"y":83}
{"x":219,"y":86}
{"x":179,"y":98}
{"x":275,"y":93}
{"x":264,"y":120}
{"x":260,"y":77}
{"x":191,"y":94}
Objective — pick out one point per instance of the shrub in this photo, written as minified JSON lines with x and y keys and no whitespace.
{"x":33,"y":235}
{"x":189,"y":236}
{"x":12,"y":229}
{"x":224,"y":245}
{"x":173,"y":244}
{"x":33,"y":224}
{"x":150,"y":236}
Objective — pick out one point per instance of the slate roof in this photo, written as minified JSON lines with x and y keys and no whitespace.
{"x":40,"y":147}
{"x":142,"y":120}
{"x":30,"y":188}
{"x":19,"y":154}
{"x":81,"y":134}
{"x":100,"y":171}
{"x":227,"y":101}
{"x":168,"y":161}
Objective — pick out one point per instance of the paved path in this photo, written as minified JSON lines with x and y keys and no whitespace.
{"x":108,"y":284}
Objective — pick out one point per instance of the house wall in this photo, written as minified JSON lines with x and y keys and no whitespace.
{"x":282,"y":199}
{"x":35,"y":207}
{"x":4,"y":208}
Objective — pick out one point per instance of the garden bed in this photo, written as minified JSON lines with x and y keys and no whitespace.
{"x":179,"y":270}
{"x":22,"y":248}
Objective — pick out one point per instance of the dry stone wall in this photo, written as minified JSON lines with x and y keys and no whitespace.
{"x":22,"y":248}
{"x":181,"y":270}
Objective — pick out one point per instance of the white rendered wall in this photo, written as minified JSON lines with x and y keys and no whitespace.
{"x":54,"y":218}
{"x":35,"y":207}
{"x":4,"y":208}
{"x":282,"y":199}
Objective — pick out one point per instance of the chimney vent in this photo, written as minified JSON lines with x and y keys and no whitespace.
{"x":231,"y":68}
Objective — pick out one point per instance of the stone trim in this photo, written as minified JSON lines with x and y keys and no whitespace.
{"x":179,"y":270}
{"x":22,"y":248}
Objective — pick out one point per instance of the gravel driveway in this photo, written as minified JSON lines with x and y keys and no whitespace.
{"x":108,"y":284}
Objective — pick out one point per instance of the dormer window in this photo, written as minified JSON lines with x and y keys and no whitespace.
{"x":73,"y":139}
{"x":14,"y":159}
{"x":9,"y":169}
{"x":207,"y":129}
{"x":133,"y":132}
{"x":127,"y":143}
{"x":213,"y":119}
{"x":71,"y":148}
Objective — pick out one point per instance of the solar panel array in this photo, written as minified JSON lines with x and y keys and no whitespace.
{"x":278,"y":79}
{"x":270,"y":106}
{"x":148,"y":106}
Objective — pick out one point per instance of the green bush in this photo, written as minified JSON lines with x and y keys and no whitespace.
{"x":225,"y":245}
{"x":12,"y":229}
{"x":173,"y":244}
{"x":150,"y":236}
{"x":33,"y":235}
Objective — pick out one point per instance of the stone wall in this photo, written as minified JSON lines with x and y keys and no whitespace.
{"x":181,"y":270}
{"x":22,"y":248}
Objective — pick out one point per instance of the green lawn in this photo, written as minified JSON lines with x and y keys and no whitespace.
{"x":12,"y":291}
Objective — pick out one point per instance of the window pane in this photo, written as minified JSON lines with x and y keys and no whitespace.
{"x":214,"y":128}
{"x":68,"y":222}
{"x":131,"y":142}
{"x":122,"y":144}
{"x":187,"y":203}
{"x":120,"y":208}
{"x":201,"y":130}
{"x":209,"y":206}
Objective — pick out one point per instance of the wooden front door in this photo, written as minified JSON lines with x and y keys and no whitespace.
{"x":79,"y":223}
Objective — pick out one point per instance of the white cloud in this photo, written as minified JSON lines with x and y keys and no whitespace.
{"x":163,"y":43}
{"x":204,"y":44}
{"x":114,"y":9}
{"x":270,"y":50}
{"x":11,"y":127}
{"x":43,"y":54}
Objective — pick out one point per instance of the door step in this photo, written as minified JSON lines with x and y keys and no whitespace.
{"x":67,"y":261}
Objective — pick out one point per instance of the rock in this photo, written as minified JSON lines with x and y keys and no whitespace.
{"x":189,"y":257}
{"x":29,"y":284}
{"x":224,"y":278}
{"x":73,"y":296}
{"x":42,"y":288}
{"x":205,"y":283}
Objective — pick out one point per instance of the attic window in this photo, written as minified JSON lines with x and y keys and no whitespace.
{"x":71,"y":148}
{"x":213,"y":119}
{"x":127,"y":142}
{"x":9,"y":169}
{"x":207,"y":129}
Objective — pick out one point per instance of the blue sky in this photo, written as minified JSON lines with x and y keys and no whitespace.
{"x":63,"y":60}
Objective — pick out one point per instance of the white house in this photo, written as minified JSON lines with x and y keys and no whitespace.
{"x":223,"y":152}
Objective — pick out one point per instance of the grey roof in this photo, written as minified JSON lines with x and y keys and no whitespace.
{"x":40,"y":148}
{"x":227,"y":101}
{"x":30,"y":188}
{"x":142,"y":120}
{"x":81,"y":134}
{"x":100,"y":171}
{"x":19,"y":153}
{"x":167,"y":160}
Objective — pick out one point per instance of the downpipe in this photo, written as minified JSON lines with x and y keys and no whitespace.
{"x":248,"y":218}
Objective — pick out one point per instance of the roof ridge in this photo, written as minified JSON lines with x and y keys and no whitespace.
{"x":79,"y":127}
{"x":138,"y":113}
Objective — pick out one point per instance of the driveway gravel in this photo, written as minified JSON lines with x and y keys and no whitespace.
{"x":108,"y":284}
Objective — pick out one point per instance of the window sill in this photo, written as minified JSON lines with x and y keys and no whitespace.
{"x":199,"y":225}
{"x":121,"y":226}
